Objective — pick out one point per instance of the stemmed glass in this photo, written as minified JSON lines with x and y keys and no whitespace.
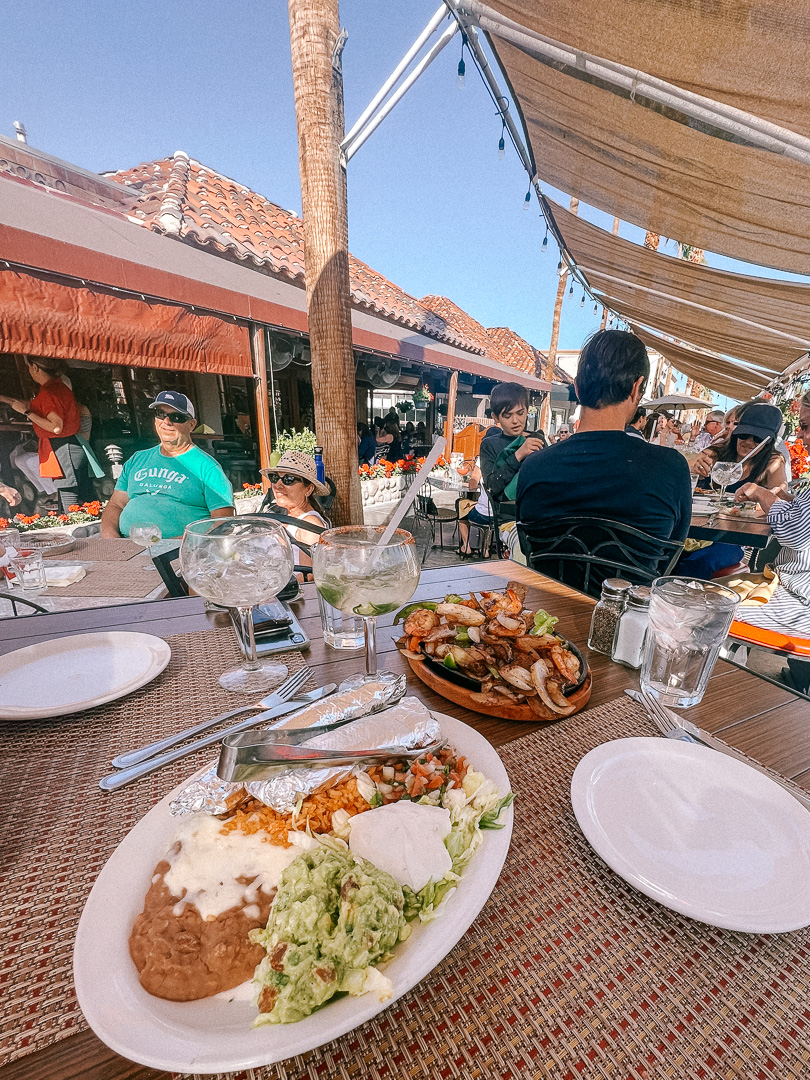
{"x":145,"y":536}
{"x":357,"y":576}
{"x":725,"y":473}
{"x":239,"y":562}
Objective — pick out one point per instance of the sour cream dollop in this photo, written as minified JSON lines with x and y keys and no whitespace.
{"x":405,"y":839}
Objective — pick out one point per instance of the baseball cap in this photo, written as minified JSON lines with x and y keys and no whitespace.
{"x":180,"y":402}
{"x":761,"y":421}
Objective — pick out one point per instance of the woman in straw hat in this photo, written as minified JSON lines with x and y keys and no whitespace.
{"x":296,"y":488}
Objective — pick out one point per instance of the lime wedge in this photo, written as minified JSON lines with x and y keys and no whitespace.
{"x":372,"y":609}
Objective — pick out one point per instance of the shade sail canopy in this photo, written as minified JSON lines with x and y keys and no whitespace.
{"x":709,"y":371}
{"x":618,"y":147}
{"x":42,"y":317}
{"x":763,"y":321}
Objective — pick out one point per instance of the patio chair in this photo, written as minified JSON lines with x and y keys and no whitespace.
{"x":425,"y":509}
{"x":163,"y":563}
{"x":36,"y":609}
{"x":501,"y":513}
{"x":581,"y":552}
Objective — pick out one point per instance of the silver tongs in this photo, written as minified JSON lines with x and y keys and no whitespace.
{"x":258,"y":755}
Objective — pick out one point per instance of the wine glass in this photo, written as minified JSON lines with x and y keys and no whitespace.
{"x":725,"y":473}
{"x":357,"y":576}
{"x":239,"y":562}
{"x":145,"y":536}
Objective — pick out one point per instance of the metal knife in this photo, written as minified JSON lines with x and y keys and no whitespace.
{"x":686,"y":727}
{"x":123,"y":777}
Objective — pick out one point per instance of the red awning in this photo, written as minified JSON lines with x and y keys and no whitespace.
{"x":42,"y":317}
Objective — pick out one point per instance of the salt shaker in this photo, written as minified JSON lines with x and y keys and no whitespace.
{"x":606,"y":614}
{"x":631,"y":630}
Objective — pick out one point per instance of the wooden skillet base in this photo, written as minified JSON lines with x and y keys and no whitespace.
{"x":460,"y":695}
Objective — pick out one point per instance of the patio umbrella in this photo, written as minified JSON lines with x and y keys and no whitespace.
{"x":677,"y":401}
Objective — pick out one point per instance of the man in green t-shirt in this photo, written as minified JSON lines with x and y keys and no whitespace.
{"x":171,"y":484}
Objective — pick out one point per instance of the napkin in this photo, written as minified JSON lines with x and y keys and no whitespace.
{"x":60,"y":576}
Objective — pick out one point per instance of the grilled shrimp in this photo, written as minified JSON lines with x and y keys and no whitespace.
{"x":505,"y":626}
{"x":420,"y":622}
{"x":509,"y":603}
{"x":540,"y":675}
{"x":459,"y":613}
{"x":566,"y":663}
{"x":556,"y":694}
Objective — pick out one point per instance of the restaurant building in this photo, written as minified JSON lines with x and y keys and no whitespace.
{"x":171,"y":275}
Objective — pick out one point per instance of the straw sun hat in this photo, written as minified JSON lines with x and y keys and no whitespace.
{"x":296,"y":463}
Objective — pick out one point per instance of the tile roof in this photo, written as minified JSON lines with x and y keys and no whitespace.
{"x":182,"y":198}
{"x":500,"y":342}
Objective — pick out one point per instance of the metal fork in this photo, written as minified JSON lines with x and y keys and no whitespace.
{"x":288,"y":689}
{"x":659,"y":716}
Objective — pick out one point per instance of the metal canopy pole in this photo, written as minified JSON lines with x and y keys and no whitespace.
{"x":392,"y":79}
{"x":358,"y":135}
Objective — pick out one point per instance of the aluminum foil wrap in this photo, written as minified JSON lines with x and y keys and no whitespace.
{"x":357,"y":697}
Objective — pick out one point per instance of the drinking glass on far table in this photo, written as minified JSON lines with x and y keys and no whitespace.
{"x":357,"y":576}
{"x":689,"y":620}
{"x":9,"y":546}
{"x":145,"y":536}
{"x":724,"y":473}
{"x":239,"y":562}
{"x":29,"y":572}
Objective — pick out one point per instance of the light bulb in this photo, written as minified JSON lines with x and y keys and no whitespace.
{"x":544,"y":246}
{"x":559,"y":265}
{"x":582,"y":301}
{"x":461,"y":73}
{"x":596,"y":309}
{"x":571,"y":291}
{"x":527,"y":202}
{"x":501,"y":147}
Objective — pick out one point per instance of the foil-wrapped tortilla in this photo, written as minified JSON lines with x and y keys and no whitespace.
{"x":408,"y":724}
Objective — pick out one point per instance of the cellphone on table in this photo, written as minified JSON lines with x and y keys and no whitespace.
{"x":276,"y":629}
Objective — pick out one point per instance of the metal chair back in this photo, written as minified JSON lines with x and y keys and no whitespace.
{"x":34,"y":609}
{"x":581,"y":552}
{"x":175,"y":585}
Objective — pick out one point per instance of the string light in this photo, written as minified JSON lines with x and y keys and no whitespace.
{"x":502,"y":143}
{"x":462,"y":70}
{"x":544,"y":245}
{"x":527,"y":202}
{"x":559,"y":265}
{"x":571,"y":290}
{"x":596,"y":309}
{"x":582,"y":301}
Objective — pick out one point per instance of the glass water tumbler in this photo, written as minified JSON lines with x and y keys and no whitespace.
{"x":689,"y":621}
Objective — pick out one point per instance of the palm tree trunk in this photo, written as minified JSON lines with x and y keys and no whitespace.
{"x":551,"y":359}
{"x":318,"y":88}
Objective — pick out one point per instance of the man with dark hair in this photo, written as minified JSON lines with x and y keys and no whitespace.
{"x":636,"y":425}
{"x":598,"y":471}
{"x":504,"y":447}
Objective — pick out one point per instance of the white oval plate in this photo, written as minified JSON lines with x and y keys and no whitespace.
{"x":697,"y":831}
{"x":214,"y":1034}
{"x":68,"y":674}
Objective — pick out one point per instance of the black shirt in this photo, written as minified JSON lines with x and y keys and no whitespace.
{"x":612,"y":475}
{"x":495,"y":480}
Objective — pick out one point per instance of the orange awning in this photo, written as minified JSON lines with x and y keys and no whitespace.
{"x":43,"y":317}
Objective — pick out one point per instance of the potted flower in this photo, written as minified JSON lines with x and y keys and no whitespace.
{"x":422,"y":396}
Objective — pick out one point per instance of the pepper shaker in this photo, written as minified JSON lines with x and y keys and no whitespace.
{"x":606,"y":614}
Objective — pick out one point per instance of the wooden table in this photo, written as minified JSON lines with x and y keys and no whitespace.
{"x":763,"y":720}
{"x":744,"y":532}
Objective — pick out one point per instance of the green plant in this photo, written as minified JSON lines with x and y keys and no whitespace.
{"x":304,"y":441}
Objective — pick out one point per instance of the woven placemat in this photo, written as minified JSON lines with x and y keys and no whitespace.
{"x":569,"y":973}
{"x":127,"y":579}
{"x":95,"y":548}
{"x":58,"y":828}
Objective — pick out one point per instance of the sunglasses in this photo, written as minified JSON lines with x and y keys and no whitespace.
{"x":287,"y":480}
{"x":175,"y":417}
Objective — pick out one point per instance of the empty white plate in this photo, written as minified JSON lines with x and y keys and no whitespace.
{"x":699,"y":832}
{"x":68,"y":674}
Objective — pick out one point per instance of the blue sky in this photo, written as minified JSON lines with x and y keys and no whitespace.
{"x":430,"y":205}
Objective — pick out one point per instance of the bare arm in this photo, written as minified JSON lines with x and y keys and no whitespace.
{"x":111,"y":514}
{"x":223,"y":511}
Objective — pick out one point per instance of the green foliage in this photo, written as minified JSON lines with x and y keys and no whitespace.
{"x":305,"y":441}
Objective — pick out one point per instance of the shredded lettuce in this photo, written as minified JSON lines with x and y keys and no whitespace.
{"x":477,"y":805}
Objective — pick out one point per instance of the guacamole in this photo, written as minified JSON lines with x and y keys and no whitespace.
{"x":332,"y":919}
